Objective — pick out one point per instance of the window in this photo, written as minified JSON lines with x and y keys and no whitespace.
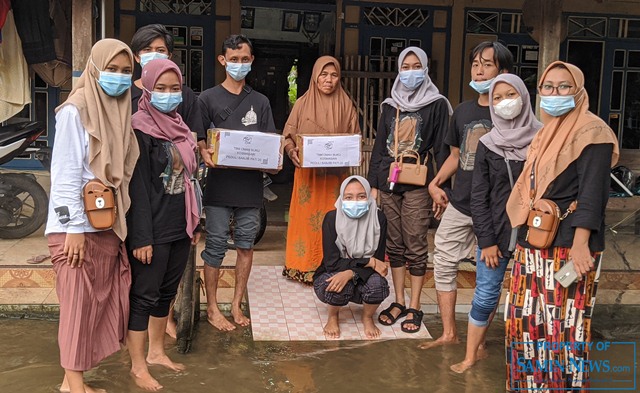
{"x":395,"y":17}
{"x":587,"y":27}
{"x":188,"y":7}
{"x":482,"y":22}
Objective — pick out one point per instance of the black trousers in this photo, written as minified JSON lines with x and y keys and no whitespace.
{"x":154,"y":285}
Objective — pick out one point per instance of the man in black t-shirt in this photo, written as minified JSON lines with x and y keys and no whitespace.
{"x":454,"y":238}
{"x":232,"y":105}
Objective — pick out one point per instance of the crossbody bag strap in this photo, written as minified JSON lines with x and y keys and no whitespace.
{"x":514,"y":231}
{"x":532,"y":193}
{"x":395,"y":137}
{"x":226,"y":112}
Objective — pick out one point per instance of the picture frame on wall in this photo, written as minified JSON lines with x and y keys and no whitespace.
{"x":247,"y":17}
{"x":291,"y":21}
{"x":312,"y":21}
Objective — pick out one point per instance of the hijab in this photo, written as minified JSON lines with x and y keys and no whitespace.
{"x":559,"y":143}
{"x":511,"y":138}
{"x":357,"y":237}
{"x":319,"y":113}
{"x":113,"y":148}
{"x":413,"y":100}
{"x":169,"y":127}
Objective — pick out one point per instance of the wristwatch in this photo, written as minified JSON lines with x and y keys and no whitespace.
{"x":355,"y":278}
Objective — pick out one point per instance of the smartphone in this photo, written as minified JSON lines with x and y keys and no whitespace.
{"x":566,"y":275}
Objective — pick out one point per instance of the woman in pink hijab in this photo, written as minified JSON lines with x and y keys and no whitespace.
{"x":164,"y":215}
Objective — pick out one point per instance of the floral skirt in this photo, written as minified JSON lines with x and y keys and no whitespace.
{"x":314,"y":193}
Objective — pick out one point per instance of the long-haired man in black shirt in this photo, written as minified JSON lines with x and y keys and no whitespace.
{"x":454,"y":238}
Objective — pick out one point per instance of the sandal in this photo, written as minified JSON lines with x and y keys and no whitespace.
{"x":390,"y":318}
{"x":416,"y":320}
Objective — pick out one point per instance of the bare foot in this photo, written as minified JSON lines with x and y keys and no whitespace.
{"x":172,"y":328}
{"x":64,"y":388}
{"x":163,"y":360}
{"x":370,"y":329}
{"x":218,"y":321}
{"x":239,"y":317}
{"x":462,"y":366}
{"x":482,"y":352}
{"x":332,"y":328}
{"x":145,"y":381}
{"x":442,"y":340}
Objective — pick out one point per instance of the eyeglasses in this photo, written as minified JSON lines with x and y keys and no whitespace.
{"x":547,"y":89}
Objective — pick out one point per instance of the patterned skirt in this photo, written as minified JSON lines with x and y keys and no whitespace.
{"x":547,"y":324}
{"x":314,"y":193}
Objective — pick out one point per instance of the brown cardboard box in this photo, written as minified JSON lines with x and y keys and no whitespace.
{"x":246,"y":149}
{"x":329,"y":151}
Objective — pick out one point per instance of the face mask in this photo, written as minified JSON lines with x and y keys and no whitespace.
{"x":355,"y":209}
{"x":557,"y":105}
{"x":147,"y":57}
{"x":508,"y":109}
{"x":238,"y":71}
{"x":481,"y":87}
{"x":411,"y":79}
{"x":113,"y":83}
{"x":166,"y":102}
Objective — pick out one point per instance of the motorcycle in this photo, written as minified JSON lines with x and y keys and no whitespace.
{"x":23,"y":201}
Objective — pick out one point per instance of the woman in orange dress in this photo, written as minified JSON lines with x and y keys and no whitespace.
{"x":324,"y":109}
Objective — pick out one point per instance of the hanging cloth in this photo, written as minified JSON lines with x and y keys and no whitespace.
{"x":14,"y":73}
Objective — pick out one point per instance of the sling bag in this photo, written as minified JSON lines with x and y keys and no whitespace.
{"x":401,"y":172}
{"x":544,"y":218}
{"x":99,"y":204}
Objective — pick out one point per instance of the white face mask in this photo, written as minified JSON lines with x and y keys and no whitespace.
{"x":509,"y":108}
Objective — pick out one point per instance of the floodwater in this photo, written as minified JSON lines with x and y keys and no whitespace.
{"x":233,"y":362}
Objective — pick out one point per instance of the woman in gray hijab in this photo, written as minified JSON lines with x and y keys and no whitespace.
{"x":499,"y":161}
{"x":415,"y":117}
{"x":353,"y":246}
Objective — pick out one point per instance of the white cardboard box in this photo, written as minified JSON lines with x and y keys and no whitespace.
{"x":330,"y":151}
{"x":246,"y":149}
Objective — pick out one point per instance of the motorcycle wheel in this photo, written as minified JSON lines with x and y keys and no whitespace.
{"x":27,"y":202}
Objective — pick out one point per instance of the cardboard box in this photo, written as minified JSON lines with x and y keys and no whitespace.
{"x":246,"y":149}
{"x":330,"y":151}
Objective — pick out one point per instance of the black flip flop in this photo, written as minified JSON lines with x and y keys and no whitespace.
{"x":390,"y":318}
{"x":416,"y":320}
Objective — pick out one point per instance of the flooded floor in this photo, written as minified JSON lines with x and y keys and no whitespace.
{"x":233,"y":362}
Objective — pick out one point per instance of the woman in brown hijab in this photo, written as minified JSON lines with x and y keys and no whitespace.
{"x":94,"y":140}
{"x":324,"y":109}
{"x":569,"y":161}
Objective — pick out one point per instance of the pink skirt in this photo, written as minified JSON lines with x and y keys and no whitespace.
{"x":94,"y":299}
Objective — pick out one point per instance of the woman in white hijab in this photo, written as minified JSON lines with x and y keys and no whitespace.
{"x":417,"y":117}
{"x":353,"y":245}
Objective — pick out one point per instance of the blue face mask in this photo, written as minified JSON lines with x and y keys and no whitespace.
{"x":147,"y":57}
{"x":238,"y":71}
{"x":355,"y":209}
{"x":166,"y":102}
{"x":411,"y":79}
{"x":481,"y":87}
{"x":557,"y":105}
{"x":113,"y":83}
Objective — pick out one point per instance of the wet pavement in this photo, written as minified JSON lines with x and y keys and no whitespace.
{"x":234,"y":362}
